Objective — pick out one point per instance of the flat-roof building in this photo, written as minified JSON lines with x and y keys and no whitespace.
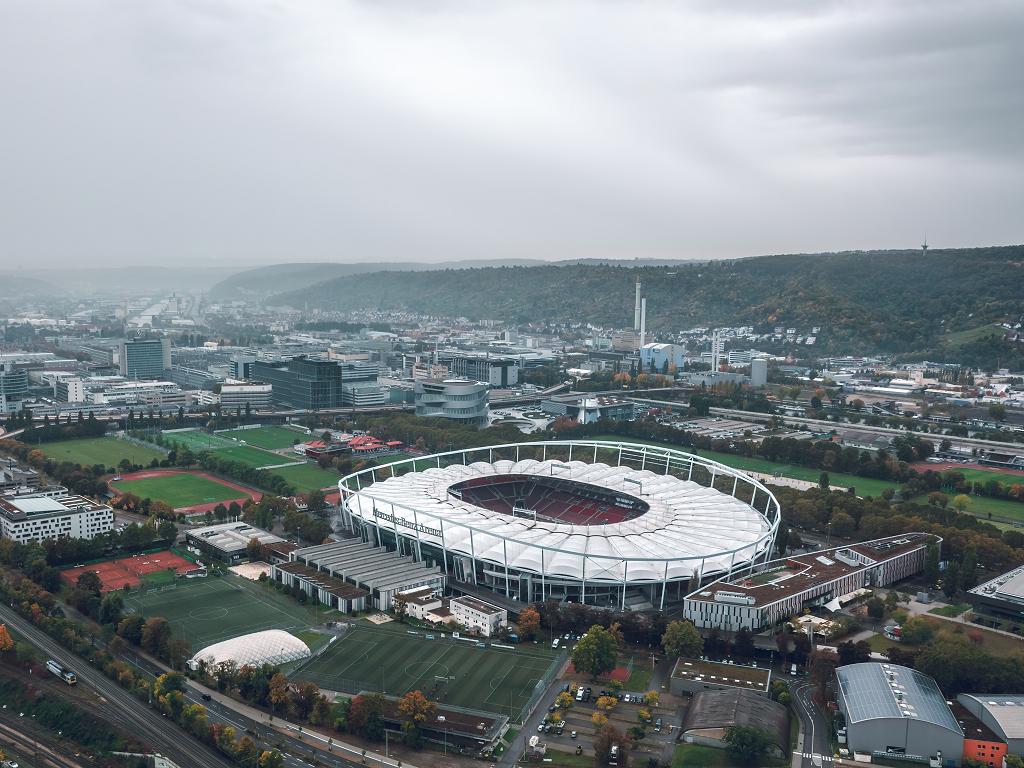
{"x":782,"y":588}
{"x":39,"y":517}
{"x":1003,"y":595}
{"x":713,"y":712}
{"x":478,"y":616}
{"x":229,"y":541}
{"x":692,"y":675}
{"x":144,"y":358}
{"x":897,"y":712}
{"x":327,"y":589}
{"x":302,"y":382}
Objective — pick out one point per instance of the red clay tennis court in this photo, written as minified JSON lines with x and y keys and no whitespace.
{"x":115,"y":574}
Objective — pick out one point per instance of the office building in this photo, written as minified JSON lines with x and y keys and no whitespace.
{"x":1002,"y":596}
{"x":586,"y":408}
{"x":144,"y":358}
{"x":241,"y":366}
{"x":13,"y":387}
{"x":497,"y":370}
{"x":70,"y":390}
{"x":239,"y":394}
{"x":760,"y":597}
{"x":894,"y":712}
{"x":662,"y":358}
{"x":39,"y":517}
{"x":477,"y":616}
{"x":456,"y":399}
{"x":759,"y":372}
{"x":302,"y":382}
{"x":693,"y":675}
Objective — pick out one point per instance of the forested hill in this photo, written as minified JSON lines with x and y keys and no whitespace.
{"x":891,"y":301}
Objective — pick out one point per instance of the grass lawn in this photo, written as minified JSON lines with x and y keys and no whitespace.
{"x":993,"y":642}
{"x":489,"y":679}
{"x":272,"y":437}
{"x":699,"y":756}
{"x":556,"y":758}
{"x":950,"y":611}
{"x":107,"y":451}
{"x":180,"y":490}
{"x":196,"y":440}
{"x":253,"y":457}
{"x":510,"y":735}
{"x":863,"y":486}
{"x":639,"y":679}
{"x":206,"y":611}
{"x":982,"y":506}
{"x":308,"y":477}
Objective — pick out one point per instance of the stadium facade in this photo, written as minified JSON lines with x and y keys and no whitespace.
{"x":604,"y":523}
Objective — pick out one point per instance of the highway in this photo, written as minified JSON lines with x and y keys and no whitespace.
{"x":148,"y":726}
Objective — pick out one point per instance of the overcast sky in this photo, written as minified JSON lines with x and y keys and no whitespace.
{"x":251,"y":132}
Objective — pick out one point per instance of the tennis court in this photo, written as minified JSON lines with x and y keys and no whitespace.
{"x":207,"y":610}
{"x":131,"y":571}
{"x":451,"y":671}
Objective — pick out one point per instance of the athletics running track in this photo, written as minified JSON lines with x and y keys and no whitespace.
{"x":244,"y":493}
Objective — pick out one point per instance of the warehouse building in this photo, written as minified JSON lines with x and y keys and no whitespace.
{"x":712,"y":713}
{"x":894,"y":712}
{"x":1003,"y":714}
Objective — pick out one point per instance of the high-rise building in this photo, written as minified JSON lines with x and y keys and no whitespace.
{"x":144,"y":358}
{"x":13,"y":387}
{"x":302,"y":383}
{"x":241,"y":366}
{"x":496,"y":370}
{"x":759,"y":371}
{"x":457,"y":399}
{"x":717,"y":348}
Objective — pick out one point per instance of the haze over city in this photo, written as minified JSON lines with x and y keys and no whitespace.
{"x":242,"y":133}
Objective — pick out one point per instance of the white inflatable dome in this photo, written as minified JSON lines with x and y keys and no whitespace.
{"x":272,"y":646}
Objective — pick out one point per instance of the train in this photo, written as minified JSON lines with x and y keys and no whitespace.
{"x":62,"y":672}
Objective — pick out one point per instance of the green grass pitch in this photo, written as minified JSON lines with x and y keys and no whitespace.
{"x":308,"y":477}
{"x":107,"y":451}
{"x":488,"y":679}
{"x":179,"y":490}
{"x":273,"y":438}
{"x":253,"y":457}
{"x":206,"y":611}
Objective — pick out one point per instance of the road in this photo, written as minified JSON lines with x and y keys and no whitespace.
{"x":816,"y":749}
{"x":143,"y":722}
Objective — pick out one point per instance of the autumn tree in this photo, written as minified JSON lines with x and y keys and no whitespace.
{"x":528,"y":623}
{"x":6,"y":643}
{"x":596,"y":652}
{"x":681,"y":638}
{"x":417,"y":709}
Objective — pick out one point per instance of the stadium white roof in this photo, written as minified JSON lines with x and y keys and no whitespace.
{"x":272,"y":646}
{"x":688,"y":527}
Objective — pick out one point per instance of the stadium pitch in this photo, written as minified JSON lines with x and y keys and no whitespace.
{"x":452,"y":671}
{"x":207,"y":610}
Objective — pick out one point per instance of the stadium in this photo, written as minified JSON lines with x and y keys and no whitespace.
{"x":609,"y":524}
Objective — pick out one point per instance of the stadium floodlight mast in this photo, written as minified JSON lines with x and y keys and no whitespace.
{"x":635,"y":482}
{"x":560,"y":465}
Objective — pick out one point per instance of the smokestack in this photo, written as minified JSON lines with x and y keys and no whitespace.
{"x":643,"y":320}
{"x":636,"y":308}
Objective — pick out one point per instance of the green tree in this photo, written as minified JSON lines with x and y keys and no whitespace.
{"x":931,"y":565}
{"x":681,"y":638}
{"x":596,"y":652}
{"x":969,"y":568}
{"x":916,"y":631}
{"x":876,"y":608}
{"x":951,"y":580}
{"x":961,"y":502}
{"x":747,"y":745}
{"x":111,"y":608}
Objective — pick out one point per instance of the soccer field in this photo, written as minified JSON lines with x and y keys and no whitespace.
{"x":179,"y":490}
{"x":253,"y":457}
{"x":226,"y":448}
{"x":196,"y":440}
{"x":308,"y":477}
{"x":208,"y":610}
{"x":451,"y":671}
{"x":272,"y":437}
{"x":107,"y":451}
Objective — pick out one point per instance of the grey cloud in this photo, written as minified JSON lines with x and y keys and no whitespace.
{"x":249,"y":132}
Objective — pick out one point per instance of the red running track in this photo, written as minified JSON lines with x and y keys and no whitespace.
{"x":146,"y":474}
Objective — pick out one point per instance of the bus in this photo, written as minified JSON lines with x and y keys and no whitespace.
{"x":63,"y":673}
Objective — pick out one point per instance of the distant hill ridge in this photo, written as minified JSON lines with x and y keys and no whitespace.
{"x":870,"y":301}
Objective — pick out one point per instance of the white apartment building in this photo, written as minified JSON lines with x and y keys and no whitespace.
{"x":478,"y":616}
{"x":38,"y":517}
{"x":420,"y":601}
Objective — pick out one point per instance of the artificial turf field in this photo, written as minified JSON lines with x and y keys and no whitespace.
{"x":308,"y":477}
{"x":208,"y":610}
{"x":182,"y":490}
{"x":272,"y":437}
{"x":107,"y":451}
{"x":226,"y":448}
{"x":490,"y":679}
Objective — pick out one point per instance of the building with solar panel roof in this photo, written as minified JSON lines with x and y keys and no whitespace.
{"x":898,"y":713}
